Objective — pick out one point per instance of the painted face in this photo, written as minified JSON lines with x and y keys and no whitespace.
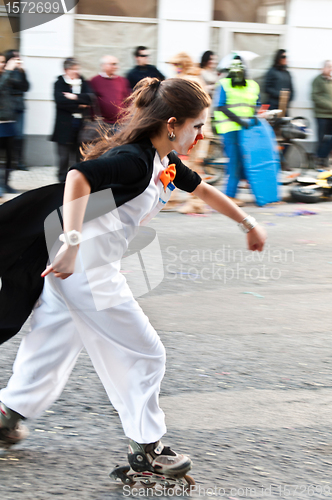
{"x":188,"y":134}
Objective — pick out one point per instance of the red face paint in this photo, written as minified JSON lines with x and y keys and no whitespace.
{"x":199,"y":137}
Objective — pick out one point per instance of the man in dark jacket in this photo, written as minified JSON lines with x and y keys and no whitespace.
{"x":7,"y":120}
{"x":19,"y":86}
{"x":72,"y":96}
{"x":143,"y":69}
{"x":322,"y":98}
{"x":278,"y":78}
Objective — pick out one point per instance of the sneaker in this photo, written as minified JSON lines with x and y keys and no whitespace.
{"x":156,"y":457}
{"x":9,"y":437}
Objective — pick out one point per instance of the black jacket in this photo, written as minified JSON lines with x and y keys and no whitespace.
{"x":23,"y":251}
{"x":7,"y":106}
{"x":64,"y":132}
{"x":19,"y":85}
{"x":277,"y":79}
{"x":137,"y":74}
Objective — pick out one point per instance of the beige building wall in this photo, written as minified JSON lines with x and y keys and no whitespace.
{"x":172,"y":26}
{"x":109,"y":36}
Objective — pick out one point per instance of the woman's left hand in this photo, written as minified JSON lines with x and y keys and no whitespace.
{"x":11,"y":64}
{"x":63,"y":265}
{"x":256,"y":238}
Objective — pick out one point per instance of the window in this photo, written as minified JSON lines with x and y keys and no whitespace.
{"x":126,"y":8}
{"x":9,"y":30}
{"x":251,"y":11}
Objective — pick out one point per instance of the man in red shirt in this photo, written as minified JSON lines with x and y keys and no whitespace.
{"x":111,"y":90}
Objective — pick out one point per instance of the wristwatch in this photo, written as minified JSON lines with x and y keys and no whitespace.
{"x":72,"y":238}
{"x":248,"y":223}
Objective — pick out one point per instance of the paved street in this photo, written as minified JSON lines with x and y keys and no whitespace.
{"x":248,"y":386}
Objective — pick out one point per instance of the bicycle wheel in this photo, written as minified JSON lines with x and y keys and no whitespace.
{"x":214,"y":164}
{"x":293,"y":157}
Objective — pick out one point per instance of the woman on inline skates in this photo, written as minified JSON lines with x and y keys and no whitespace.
{"x":94,"y":307}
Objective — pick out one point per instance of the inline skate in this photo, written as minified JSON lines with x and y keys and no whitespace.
{"x":154,"y":464}
{"x":12,"y":430}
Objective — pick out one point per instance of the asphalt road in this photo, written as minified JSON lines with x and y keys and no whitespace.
{"x":248,"y":387}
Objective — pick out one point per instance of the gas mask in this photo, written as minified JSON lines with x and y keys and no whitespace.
{"x":237,"y":73}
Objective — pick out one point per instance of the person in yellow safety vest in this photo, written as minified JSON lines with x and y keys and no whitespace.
{"x":235,"y":103}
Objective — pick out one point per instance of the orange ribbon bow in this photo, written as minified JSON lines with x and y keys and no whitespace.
{"x":168,"y":175}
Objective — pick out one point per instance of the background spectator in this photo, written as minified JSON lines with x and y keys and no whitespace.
{"x":72,"y":95}
{"x":7,"y":119}
{"x":322,"y":98}
{"x":111,"y":90}
{"x":186,"y":68}
{"x":142,"y":68}
{"x":278,"y":78}
{"x":236,"y":101}
{"x":209,"y":73}
{"x":19,"y":86}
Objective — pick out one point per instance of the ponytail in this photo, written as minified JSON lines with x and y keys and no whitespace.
{"x":149,"y":107}
{"x":145,"y":92}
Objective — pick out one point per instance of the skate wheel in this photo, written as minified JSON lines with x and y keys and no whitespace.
{"x":168,"y":485}
{"x":147,"y":482}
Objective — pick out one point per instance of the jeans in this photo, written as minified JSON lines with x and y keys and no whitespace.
{"x":324,"y":137}
{"x":235,"y":170}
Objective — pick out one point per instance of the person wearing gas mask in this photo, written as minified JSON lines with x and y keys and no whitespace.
{"x":235,"y":103}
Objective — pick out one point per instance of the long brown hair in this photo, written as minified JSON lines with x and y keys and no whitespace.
{"x":150,"y":106}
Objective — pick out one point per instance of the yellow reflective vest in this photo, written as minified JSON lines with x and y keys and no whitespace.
{"x":240,"y":100}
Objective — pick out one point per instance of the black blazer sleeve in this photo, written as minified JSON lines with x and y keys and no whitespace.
{"x":185,"y":179}
{"x":86,"y":96}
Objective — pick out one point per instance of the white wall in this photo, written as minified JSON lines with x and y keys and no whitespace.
{"x":309,"y":43}
{"x":184,"y":25}
{"x":43,"y":50}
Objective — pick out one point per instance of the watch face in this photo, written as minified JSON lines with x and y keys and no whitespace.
{"x":74,"y":239}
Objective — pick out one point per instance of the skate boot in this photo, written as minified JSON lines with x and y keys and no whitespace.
{"x":12,"y":431}
{"x":152,"y":464}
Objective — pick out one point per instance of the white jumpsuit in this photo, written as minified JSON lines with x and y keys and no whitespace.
{"x":96,"y":310}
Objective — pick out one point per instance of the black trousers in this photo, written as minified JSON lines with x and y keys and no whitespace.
{"x":68,"y":155}
{"x":6,"y":146}
{"x":324,"y":137}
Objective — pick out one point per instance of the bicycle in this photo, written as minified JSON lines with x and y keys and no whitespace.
{"x":294,"y":158}
{"x":215,"y":163}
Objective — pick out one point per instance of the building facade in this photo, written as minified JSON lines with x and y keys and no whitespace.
{"x":98,"y":27}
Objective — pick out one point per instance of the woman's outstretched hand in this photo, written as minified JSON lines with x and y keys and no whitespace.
{"x":256,"y":238}
{"x":63,"y":265}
